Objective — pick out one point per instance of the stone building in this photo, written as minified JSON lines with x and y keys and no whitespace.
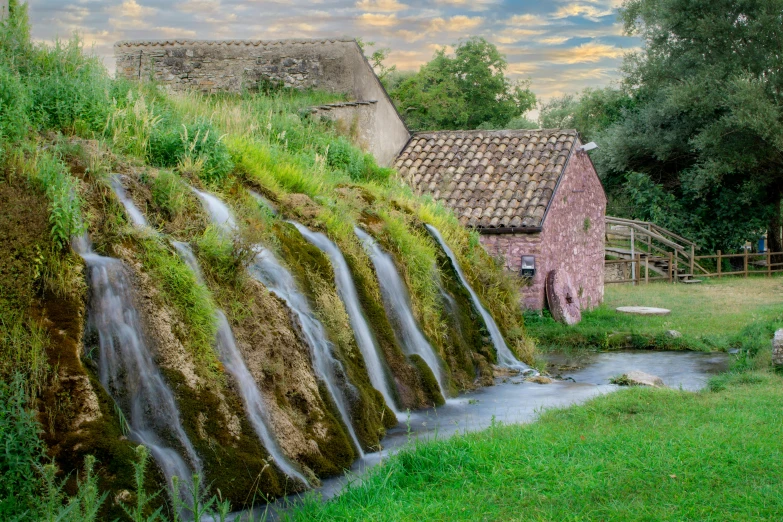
{"x":334,"y":65}
{"x":527,"y":192}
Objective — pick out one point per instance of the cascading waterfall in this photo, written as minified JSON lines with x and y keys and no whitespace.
{"x":264,"y":201}
{"x":131,"y":209}
{"x":232,"y":360}
{"x":268,"y":270}
{"x":218,"y":212}
{"x":397,"y":301}
{"x":346,"y":288}
{"x":127,"y":371}
{"x":505,"y":357}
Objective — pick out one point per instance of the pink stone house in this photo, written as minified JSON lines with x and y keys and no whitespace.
{"x":527,"y":192}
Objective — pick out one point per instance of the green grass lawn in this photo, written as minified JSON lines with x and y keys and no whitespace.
{"x":637,"y":454}
{"x":718,"y":314}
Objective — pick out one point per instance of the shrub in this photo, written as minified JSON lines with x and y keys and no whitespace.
{"x":14,"y":103}
{"x":169,"y":193}
{"x":21,"y":452}
{"x":171,"y":146}
{"x":359,"y":166}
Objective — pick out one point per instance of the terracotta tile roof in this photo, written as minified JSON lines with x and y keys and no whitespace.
{"x":491,"y":179}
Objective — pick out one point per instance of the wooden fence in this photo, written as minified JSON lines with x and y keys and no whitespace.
{"x":644,"y":268}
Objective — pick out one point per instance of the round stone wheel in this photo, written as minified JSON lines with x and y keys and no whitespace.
{"x":563,"y":301}
{"x":643,"y":310}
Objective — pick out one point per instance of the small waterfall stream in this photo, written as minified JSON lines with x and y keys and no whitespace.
{"x":397,"y":301}
{"x":232,"y":360}
{"x":361,"y":330}
{"x":505,"y":357}
{"x":131,"y":209}
{"x":127,"y":370}
{"x":268,"y":270}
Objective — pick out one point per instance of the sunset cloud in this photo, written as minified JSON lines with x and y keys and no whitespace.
{"x":586,"y":53}
{"x":379,"y":20}
{"x":380,"y":5}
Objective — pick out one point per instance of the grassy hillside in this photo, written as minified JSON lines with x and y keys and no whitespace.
{"x":66,"y":131}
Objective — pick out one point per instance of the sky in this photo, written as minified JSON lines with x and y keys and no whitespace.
{"x":561,"y":46}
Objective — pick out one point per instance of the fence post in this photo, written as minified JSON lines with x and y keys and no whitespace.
{"x":693,"y":259}
{"x":671,"y":268}
{"x":769,"y":264}
{"x":647,"y":269}
{"x":719,"y":264}
{"x":746,"y":263}
{"x":638,"y":269}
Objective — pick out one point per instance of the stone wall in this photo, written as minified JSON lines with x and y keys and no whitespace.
{"x":234,"y":65}
{"x":571,"y":240}
{"x":354,"y":119}
{"x":3,"y":9}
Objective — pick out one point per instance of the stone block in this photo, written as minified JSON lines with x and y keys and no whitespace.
{"x":777,"y":349}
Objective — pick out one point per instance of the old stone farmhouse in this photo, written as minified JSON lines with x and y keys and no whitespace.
{"x":528,"y":193}
{"x":334,"y":65}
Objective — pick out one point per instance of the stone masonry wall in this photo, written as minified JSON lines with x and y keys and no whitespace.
{"x":573,"y":231}
{"x":234,"y":65}
{"x":512,"y":247}
{"x":354,"y":119}
{"x":3,"y":9}
{"x":571,"y":240}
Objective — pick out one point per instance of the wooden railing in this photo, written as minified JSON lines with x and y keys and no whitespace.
{"x":766,"y":263}
{"x":638,"y":270}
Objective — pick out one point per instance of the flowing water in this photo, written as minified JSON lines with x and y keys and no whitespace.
{"x":232,"y":360}
{"x":397,"y":301}
{"x":219,"y":213}
{"x":131,"y":209}
{"x":268,"y":270}
{"x":264,"y":202}
{"x":505,"y":357}
{"x":127,"y":370}
{"x":365,"y":339}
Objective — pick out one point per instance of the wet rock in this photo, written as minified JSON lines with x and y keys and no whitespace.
{"x":540,"y":379}
{"x":637,"y":378}
{"x":673,"y":334}
{"x":777,"y":349}
{"x":562,"y":299}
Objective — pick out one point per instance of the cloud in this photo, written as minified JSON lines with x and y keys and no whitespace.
{"x":512,"y":35}
{"x":469,"y":5}
{"x":528,"y":19}
{"x":379,"y":20}
{"x":455,"y":23}
{"x":581,"y":10}
{"x":586,"y":53}
{"x":175,"y":32}
{"x":132,"y":9}
{"x":381,"y":5}
{"x":199,"y":6}
{"x":554,"y":40}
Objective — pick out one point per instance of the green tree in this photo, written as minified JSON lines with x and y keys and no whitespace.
{"x":590,"y":112}
{"x":466,"y":90}
{"x":706,"y":125}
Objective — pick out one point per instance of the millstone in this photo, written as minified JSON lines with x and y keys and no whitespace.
{"x":643,"y":310}
{"x":563,"y":302}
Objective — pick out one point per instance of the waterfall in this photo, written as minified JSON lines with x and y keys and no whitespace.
{"x":504,"y":355}
{"x":232,"y":360}
{"x":397,"y":301}
{"x":218,"y":212}
{"x":361,"y":330}
{"x":264,"y":202}
{"x":131,"y":209}
{"x":268,"y":270}
{"x":127,"y":371}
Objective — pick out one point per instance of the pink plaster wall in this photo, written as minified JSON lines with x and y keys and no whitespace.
{"x":571,"y":240}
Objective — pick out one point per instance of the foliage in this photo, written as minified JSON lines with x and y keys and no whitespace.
{"x":462,"y":91}
{"x":21,"y":452}
{"x":377,"y":59}
{"x":590,"y":112}
{"x":14,"y":106}
{"x":360,"y":166}
{"x":656,"y":454}
{"x":706,"y":116}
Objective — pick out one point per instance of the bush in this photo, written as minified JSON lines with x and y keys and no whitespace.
{"x":198,"y":143}
{"x":359,"y":166}
{"x":21,"y":452}
{"x":14,"y":103}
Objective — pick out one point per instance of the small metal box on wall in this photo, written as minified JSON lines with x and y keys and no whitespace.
{"x":528,"y":267}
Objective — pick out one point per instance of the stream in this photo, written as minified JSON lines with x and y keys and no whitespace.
{"x":514,"y":401}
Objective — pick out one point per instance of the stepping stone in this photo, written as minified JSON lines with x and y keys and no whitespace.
{"x":643,"y":310}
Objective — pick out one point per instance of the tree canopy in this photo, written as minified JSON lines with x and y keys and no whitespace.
{"x":698,"y":140}
{"x":466,"y":90}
